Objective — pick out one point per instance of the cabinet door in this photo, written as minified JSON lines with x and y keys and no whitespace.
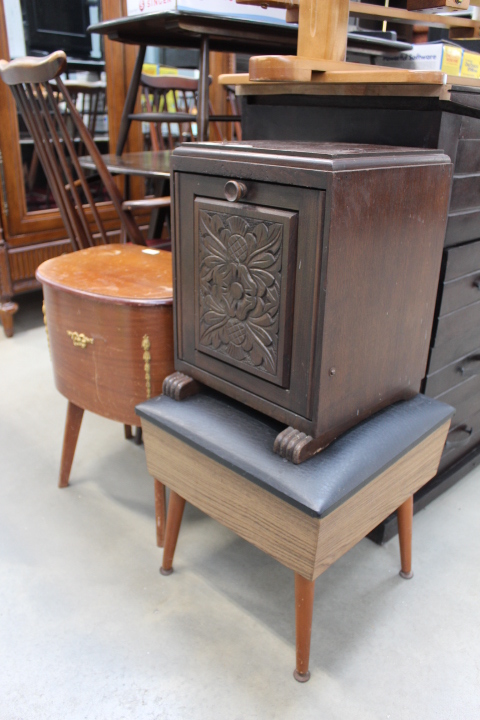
{"x":247,"y":299}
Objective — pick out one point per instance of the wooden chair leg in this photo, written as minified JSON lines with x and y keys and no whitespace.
{"x":7,"y":311}
{"x":176,"y":505}
{"x":405,"y":520}
{"x":304,"y":594}
{"x":128,"y":432}
{"x":160,"y":511}
{"x":72,"y":428}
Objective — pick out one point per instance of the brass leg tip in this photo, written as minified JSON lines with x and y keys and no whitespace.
{"x":406,"y":576}
{"x":163,"y":571}
{"x":301,"y":677}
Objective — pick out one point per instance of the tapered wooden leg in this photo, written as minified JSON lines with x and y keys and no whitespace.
{"x":405,"y":520}
{"x":176,"y":505}
{"x":72,"y":428}
{"x":7,"y":311}
{"x":304,"y":594}
{"x":160,"y":507}
{"x":128,"y":432}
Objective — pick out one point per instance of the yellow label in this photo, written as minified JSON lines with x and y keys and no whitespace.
{"x":470,"y":65}
{"x":149,"y":69}
{"x":451,"y":60}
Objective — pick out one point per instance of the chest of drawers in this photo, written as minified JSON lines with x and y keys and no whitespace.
{"x":306,"y":277}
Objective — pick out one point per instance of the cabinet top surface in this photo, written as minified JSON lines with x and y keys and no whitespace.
{"x":325,"y":155}
{"x":126,"y":273}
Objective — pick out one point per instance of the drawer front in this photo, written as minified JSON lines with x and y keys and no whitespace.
{"x":465,"y":398}
{"x":470,"y":128}
{"x":452,"y":375}
{"x":462,"y":260}
{"x":460,"y":293}
{"x":461,"y":439}
{"x":462,"y":226}
{"x":467,"y":160}
{"x":458,"y":334}
{"x":246,"y":277}
{"x":465,"y":193}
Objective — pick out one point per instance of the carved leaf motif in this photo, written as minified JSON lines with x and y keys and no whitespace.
{"x":240,"y":266}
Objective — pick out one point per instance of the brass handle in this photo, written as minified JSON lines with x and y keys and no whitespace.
{"x":235,"y":190}
{"x":79,"y":339}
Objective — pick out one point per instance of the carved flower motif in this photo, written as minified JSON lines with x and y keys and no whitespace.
{"x":240,"y":272}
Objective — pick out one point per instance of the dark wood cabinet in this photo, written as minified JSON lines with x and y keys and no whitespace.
{"x":451,"y":124}
{"x":306,"y":277}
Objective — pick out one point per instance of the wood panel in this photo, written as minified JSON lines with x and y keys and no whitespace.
{"x":305,"y":544}
{"x":355,"y":518}
{"x":272,"y":525}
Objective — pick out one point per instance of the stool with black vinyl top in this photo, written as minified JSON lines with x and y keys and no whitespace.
{"x":216,"y":454}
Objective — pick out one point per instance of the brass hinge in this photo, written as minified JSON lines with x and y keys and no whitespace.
{"x":4,"y":190}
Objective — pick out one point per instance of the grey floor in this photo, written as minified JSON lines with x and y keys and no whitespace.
{"x":90,"y":630}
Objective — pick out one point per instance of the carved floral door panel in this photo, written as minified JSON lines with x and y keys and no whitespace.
{"x":245,"y":284}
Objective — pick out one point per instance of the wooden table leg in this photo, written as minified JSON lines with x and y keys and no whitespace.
{"x":304,"y":594}
{"x":203,"y":88}
{"x":405,"y":520}
{"x":176,"y":506}
{"x":160,"y":507}
{"x":130,"y":100}
{"x":72,"y":428}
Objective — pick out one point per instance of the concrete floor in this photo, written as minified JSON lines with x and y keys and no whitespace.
{"x":90,"y":630}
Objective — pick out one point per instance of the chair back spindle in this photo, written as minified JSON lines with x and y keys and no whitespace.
{"x":58,"y":130}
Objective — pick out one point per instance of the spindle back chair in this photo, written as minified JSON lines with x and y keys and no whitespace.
{"x":45,"y":103}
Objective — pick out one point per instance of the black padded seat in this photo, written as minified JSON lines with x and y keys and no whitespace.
{"x":242,"y":440}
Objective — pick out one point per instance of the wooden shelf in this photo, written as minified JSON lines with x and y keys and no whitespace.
{"x":379,"y":12}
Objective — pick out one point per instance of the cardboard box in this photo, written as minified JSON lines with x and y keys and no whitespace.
{"x":470,"y":64}
{"x":227,"y":8}
{"x":443,"y":56}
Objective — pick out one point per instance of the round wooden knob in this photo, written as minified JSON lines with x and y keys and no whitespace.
{"x":235,"y":190}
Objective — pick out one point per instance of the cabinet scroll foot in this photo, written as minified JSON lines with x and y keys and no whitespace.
{"x":296,"y":446}
{"x":179,"y":386}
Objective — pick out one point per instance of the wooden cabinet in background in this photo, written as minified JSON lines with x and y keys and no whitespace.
{"x":29,"y":238}
{"x":452,"y":124}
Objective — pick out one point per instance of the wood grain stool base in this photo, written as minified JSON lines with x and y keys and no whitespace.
{"x":216,"y":454}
